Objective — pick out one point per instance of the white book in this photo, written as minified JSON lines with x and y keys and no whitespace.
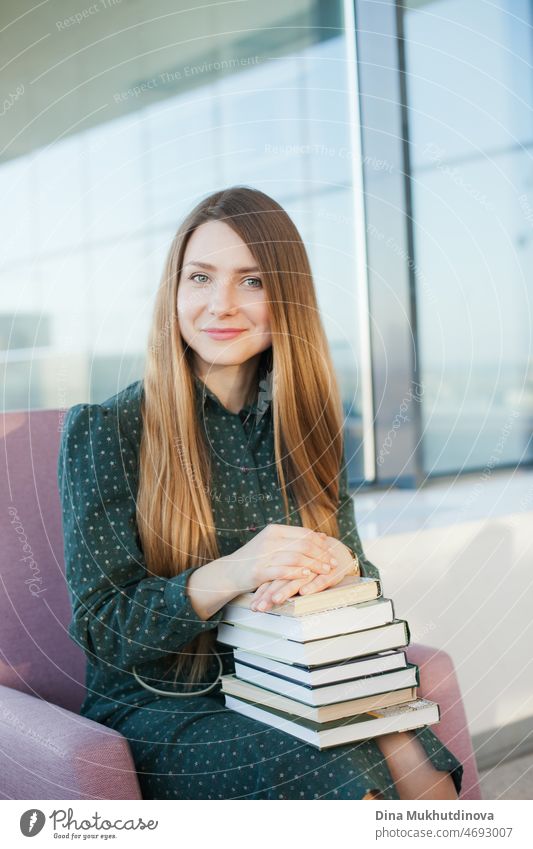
{"x":402,"y":717}
{"x":328,"y":673}
{"x":352,"y":589}
{"x":314,"y":626}
{"x":314,"y":652}
{"x":325,"y":713}
{"x":357,"y":688}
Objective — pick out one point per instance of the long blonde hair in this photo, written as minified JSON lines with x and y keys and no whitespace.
{"x":174,"y":516}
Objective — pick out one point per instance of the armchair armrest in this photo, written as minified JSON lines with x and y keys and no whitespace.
{"x":438,"y":682}
{"x":47,"y":752}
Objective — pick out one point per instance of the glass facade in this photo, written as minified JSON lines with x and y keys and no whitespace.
{"x":469,"y":98}
{"x":122,"y":116}
{"x":167,"y":104}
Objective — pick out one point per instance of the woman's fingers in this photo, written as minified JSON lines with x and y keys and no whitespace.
{"x":293,"y":565}
{"x":297,"y":532}
{"x":276,"y":592}
{"x":302,"y":541}
{"x":262,"y":592}
{"x":288,"y":580}
{"x":279,"y":596}
{"x":312,"y":587}
{"x":319,"y":551}
{"x":321,"y":582}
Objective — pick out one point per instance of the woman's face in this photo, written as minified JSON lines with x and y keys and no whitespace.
{"x":220,"y":287}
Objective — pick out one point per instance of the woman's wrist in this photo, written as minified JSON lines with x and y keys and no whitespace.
{"x":356,"y":563}
{"x":212,"y":586}
{"x":347,"y":557}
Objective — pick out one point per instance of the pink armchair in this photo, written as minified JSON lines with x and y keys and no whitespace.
{"x":47,"y":750}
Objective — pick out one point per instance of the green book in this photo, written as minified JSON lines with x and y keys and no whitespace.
{"x":403,"y":717}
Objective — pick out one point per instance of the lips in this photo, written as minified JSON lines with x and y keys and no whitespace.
{"x":224,"y":334}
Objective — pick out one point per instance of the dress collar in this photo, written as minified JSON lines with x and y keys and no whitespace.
{"x":259,"y":405}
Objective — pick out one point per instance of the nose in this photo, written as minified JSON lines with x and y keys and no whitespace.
{"x":222,"y":300}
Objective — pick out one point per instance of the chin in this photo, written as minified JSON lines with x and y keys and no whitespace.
{"x":225,"y":358}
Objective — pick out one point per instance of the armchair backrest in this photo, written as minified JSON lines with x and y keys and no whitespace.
{"x":37,"y":656}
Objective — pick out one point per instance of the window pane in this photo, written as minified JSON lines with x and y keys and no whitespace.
{"x":470,"y":93}
{"x":136,"y":113}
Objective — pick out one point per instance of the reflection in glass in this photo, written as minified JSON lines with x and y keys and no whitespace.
{"x":470,"y":93}
{"x":142,"y":118}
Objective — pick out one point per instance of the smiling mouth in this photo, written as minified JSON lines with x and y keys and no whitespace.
{"x":215,"y":332}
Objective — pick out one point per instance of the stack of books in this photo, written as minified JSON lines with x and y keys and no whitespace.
{"x":327,"y":668}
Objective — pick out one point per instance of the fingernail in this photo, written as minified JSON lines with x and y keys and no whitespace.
{"x":327,"y":567}
{"x":334,"y":561}
{"x":262,"y":605}
{"x":276,"y":598}
{"x":306,"y":571}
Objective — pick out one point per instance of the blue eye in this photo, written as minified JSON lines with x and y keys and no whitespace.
{"x":197,"y":274}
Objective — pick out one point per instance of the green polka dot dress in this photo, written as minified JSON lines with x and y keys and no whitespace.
{"x":125,"y":620}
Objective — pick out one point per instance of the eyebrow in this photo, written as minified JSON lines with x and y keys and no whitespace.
{"x":210,"y":267}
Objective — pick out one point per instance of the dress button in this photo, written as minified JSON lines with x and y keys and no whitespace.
{"x":245,"y":469}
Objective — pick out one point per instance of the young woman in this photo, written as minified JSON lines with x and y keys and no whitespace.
{"x":221,"y":472}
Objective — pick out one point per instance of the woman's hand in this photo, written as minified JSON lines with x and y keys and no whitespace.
{"x":280,"y":551}
{"x":272,"y":593}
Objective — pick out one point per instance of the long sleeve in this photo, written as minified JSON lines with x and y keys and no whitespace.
{"x":348,"y":533}
{"x":121,"y":614}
